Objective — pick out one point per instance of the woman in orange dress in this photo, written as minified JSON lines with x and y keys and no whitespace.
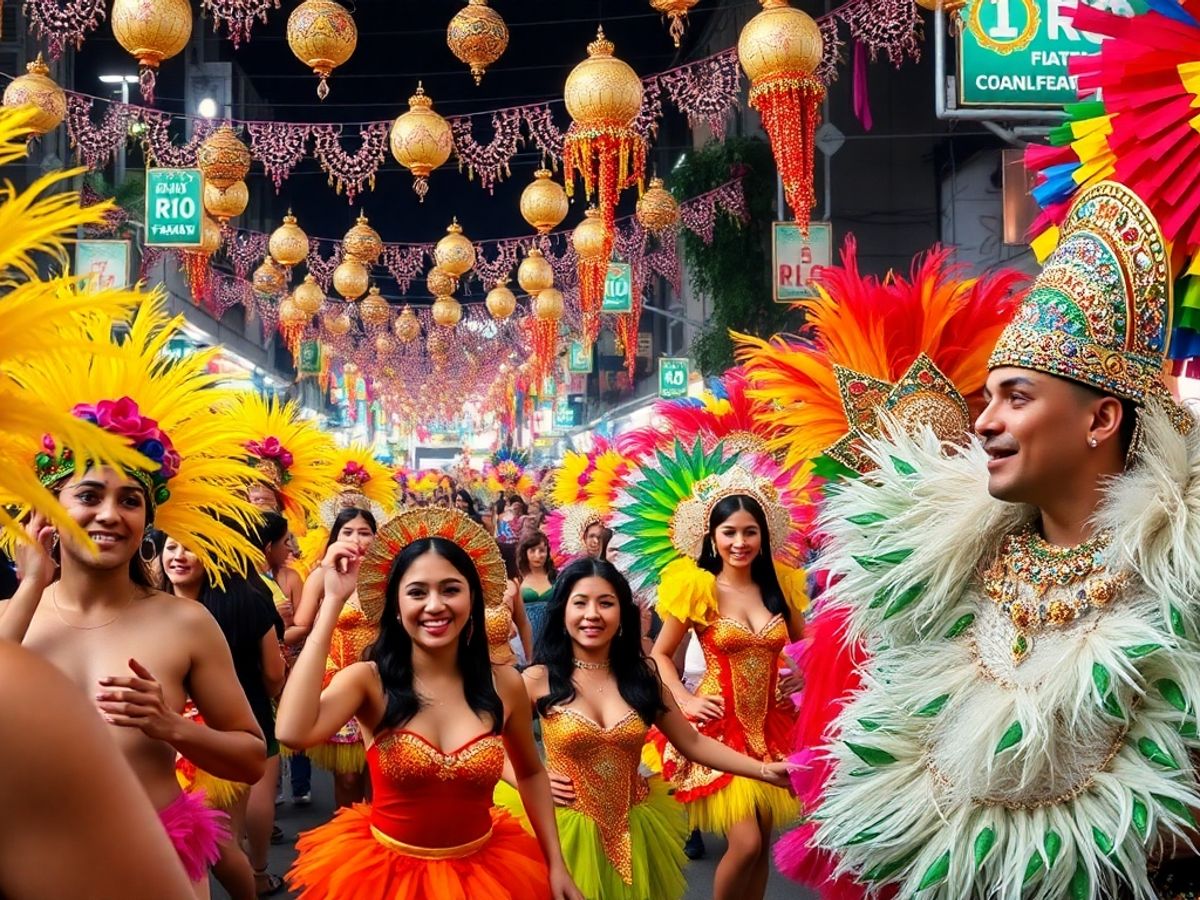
{"x":438,"y":721}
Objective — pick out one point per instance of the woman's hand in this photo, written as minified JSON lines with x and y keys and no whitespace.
{"x":34,"y":563}
{"x":702,"y":708}
{"x":562,"y":788}
{"x":561,"y":885}
{"x":790,"y":682}
{"x":778,"y":774}
{"x":138,"y":703}
{"x":340,"y":564}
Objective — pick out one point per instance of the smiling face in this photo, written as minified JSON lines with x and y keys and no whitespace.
{"x":593,"y":613}
{"x":358,"y":532}
{"x":111,"y":507}
{"x":181,"y":566}
{"x":738,"y":539}
{"x":434,"y":602}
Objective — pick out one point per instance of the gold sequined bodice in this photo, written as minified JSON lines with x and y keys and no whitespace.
{"x":743,"y":667}
{"x":499,"y":620}
{"x":602,"y":763}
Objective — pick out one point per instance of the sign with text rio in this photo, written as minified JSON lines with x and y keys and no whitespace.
{"x":174,"y":207}
{"x":673,"y":376}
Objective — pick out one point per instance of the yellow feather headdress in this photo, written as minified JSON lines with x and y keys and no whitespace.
{"x":362,"y":481}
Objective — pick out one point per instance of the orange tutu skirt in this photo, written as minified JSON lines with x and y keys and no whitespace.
{"x":343,"y":860}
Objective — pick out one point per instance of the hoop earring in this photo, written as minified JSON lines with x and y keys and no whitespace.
{"x":147,"y":541}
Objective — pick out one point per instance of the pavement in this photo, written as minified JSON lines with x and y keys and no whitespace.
{"x":295,"y":819}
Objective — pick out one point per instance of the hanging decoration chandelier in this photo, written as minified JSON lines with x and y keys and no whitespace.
{"x":36,"y":88}
{"x":223,"y":158}
{"x":593,"y":245}
{"x":322,"y":35}
{"x":421,"y":140}
{"x":226,"y":203}
{"x":308,"y":297}
{"x":351,"y":279}
{"x":534,"y":274}
{"x":656,"y":209}
{"x":548,"y":307}
{"x":780,"y":49}
{"x":544,"y":203}
{"x":269,"y":278}
{"x":362,"y":242}
{"x":478,"y":36}
{"x":196,"y":261}
{"x":288,"y":244}
{"x":676,"y":11}
{"x":446,"y":311}
{"x":440,"y":283}
{"x":501,"y":301}
{"x":292,"y":322}
{"x":407,"y":326}
{"x":374,"y":310}
{"x":151,"y":31}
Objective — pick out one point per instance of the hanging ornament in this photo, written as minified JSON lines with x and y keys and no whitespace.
{"x":288,"y":244}
{"x":477,"y":36}
{"x":421,"y":140}
{"x":656,"y":209}
{"x":337,"y":322}
{"x":454,"y":253}
{"x":548,"y":304}
{"x":362,"y":242}
{"x":228,"y":203}
{"x":151,"y":31}
{"x":269,"y":278}
{"x":374,"y":310}
{"x":446,"y":311}
{"x":603,"y":96}
{"x":543,"y":333}
{"x":351,"y":279}
{"x":535,"y":274}
{"x":292,"y":322}
{"x":440,"y":283}
{"x":309,"y":297}
{"x":323,"y":35}
{"x":501,"y":302}
{"x":196,"y":261}
{"x":384,"y":344}
{"x":438,"y":345}
{"x":676,"y":11}
{"x":780,"y":49}
{"x":407,"y":326}
{"x":593,"y":245}
{"x":223,"y":158}
{"x":36,"y":88}
{"x":544,"y":203}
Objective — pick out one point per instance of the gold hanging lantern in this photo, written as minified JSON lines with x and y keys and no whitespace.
{"x":676,"y":11}
{"x":454,"y":253}
{"x":323,"y":35}
{"x":593,"y":245}
{"x":308,"y":296}
{"x":440,"y":283}
{"x":421,"y":140}
{"x":446,"y":311}
{"x":535,"y":274}
{"x":288,"y":244}
{"x":337,"y":323}
{"x":657,"y":210}
{"x":374,"y":310}
{"x":946,"y":6}
{"x":384,"y":344}
{"x":223,"y":158}
{"x":477,"y":36}
{"x":548,"y":304}
{"x":501,"y":302}
{"x":151,"y":31}
{"x":292,"y":322}
{"x":351,"y":279}
{"x":362,"y":242}
{"x":544,"y":203}
{"x":780,"y":49}
{"x":210,"y":236}
{"x":37,"y":89}
{"x":407,"y":326}
{"x":196,"y":261}
{"x":228,"y":203}
{"x":269,"y":278}
{"x":590,"y":238}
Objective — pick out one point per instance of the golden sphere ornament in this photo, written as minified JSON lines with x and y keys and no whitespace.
{"x":223,"y":158}
{"x":676,"y":11}
{"x":421,"y":140}
{"x":290,"y":314}
{"x":535,"y":274}
{"x":440,"y":283}
{"x":407,"y":326}
{"x":351,"y":279}
{"x":501,"y":302}
{"x":210,"y":236}
{"x":548,"y":305}
{"x":446,"y":311}
{"x":374,"y":310}
{"x":228,"y":203}
{"x":656,"y":209}
{"x":37,"y":89}
{"x":309,"y":297}
{"x":269,"y":278}
{"x":590,"y":237}
{"x":151,"y":31}
{"x":362,"y":242}
{"x":288,"y":244}
{"x":338,"y":323}
{"x":544,"y":203}
{"x":323,"y":35}
{"x":478,"y":36}
{"x":454,"y":253}
{"x":603,"y":90}
{"x":384,"y":344}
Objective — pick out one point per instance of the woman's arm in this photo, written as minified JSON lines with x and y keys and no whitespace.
{"x":36,"y":571}
{"x":293,"y":588}
{"x":273,"y":668}
{"x":521,"y":620}
{"x":305,"y":614}
{"x":700,"y":708}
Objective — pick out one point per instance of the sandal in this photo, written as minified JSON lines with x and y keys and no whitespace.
{"x":277,"y":836}
{"x":274,"y":883}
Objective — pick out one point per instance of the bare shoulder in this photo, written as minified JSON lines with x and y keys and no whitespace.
{"x":536,"y":677}
{"x":180,"y":610}
{"x":509,"y":684}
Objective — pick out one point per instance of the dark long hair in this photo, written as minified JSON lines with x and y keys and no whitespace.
{"x":637,"y":680}
{"x":272,"y":528}
{"x":349,"y":514}
{"x":392,"y":651}
{"x":534,"y":540}
{"x":472,"y":512}
{"x":762,"y":569}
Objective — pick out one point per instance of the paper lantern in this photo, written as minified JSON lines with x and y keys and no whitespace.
{"x":323,"y":35}
{"x":269,"y":278}
{"x":362,"y":242}
{"x":478,"y":36}
{"x":223,"y":158}
{"x":535,"y":274}
{"x":421,"y":140}
{"x":338,"y":323}
{"x":351,"y":279}
{"x":228,"y":203}
{"x":374,"y":310}
{"x":151,"y":31}
{"x":548,"y":304}
{"x":544,"y":203}
{"x":37,"y":89}
{"x":501,"y":302}
{"x":308,"y":296}
{"x":407,"y":326}
{"x":656,"y":209}
{"x":446,"y":311}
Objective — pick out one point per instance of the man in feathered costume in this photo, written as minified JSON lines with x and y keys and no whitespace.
{"x":1027,"y":716}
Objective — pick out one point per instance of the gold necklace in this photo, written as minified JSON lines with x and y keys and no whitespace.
{"x":590,"y":666}
{"x":58,"y":611}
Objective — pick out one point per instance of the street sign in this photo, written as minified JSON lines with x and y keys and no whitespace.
{"x":174,"y":207}
{"x":579,"y":358}
{"x":673,"y":377}
{"x":564,"y":415}
{"x":618,"y":289}
{"x":310,"y":358}
{"x":794,"y":256}
{"x":1013,"y":53}
{"x":105,"y":264}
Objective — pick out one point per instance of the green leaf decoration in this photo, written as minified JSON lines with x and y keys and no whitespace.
{"x":883,"y":871}
{"x":1176,"y":808}
{"x":1141,"y":818}
{"x":933,"y":707}
{"x":1188,"y":730}
{"x":1104,"y":843}
{"x":1035,"y":866}
{"x":871,"y":518}
{"x":1172,"y":693}
{"x":984,"y":842}
{"x":1177,"y":622}
{"x":883,"y":560}
{"x":960,"y":626}
{"x":1081,"y":884}
{"x":882,"y":596}
{"x":1141,"y":650}
{"x":936,"y":872}
{"x":1102,"y":679}
{"x":1113,"y":707}
{"x":1052,"y":844}
{"x":903,"y":467}
{"x":1155,"y":753}
{"x":904,"y":600}
{"x":872,"y":756}
{"x":1011,"y":738}
{"x":831,"y":472}
{"x":869,"y":724}
{"x":862,"y":773}
{"x":862,"y":837}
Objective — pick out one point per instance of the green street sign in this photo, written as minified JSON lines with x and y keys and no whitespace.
{"x":564,"y":415}
{"x":1013,"y":53}
{"x":310,"y":358}
{"x":618,"y":289}
{"x":673,"y":375}
{"x":174,"y":207}
{"x":579,"y":359}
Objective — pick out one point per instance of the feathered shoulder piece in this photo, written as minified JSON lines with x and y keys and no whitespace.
{"x":687,"y":593}
{"x":794,"y":583}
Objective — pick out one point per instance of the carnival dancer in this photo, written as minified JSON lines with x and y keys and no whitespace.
{"x":528,"y":593}
{"x":1026,"y":724}
{"x":713,"y":535}
{"x":439,"y":720}
{"x":139,"y":651}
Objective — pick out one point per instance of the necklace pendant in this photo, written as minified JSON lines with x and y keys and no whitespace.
{"x":1021,"y":646}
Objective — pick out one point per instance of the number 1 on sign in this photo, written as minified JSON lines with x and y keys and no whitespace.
{"x":1003,"y":29}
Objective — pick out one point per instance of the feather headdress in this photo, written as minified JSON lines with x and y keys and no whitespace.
{"x":725,"y":412}
{"x":362,"y":481}
{"x":506,"y":473}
